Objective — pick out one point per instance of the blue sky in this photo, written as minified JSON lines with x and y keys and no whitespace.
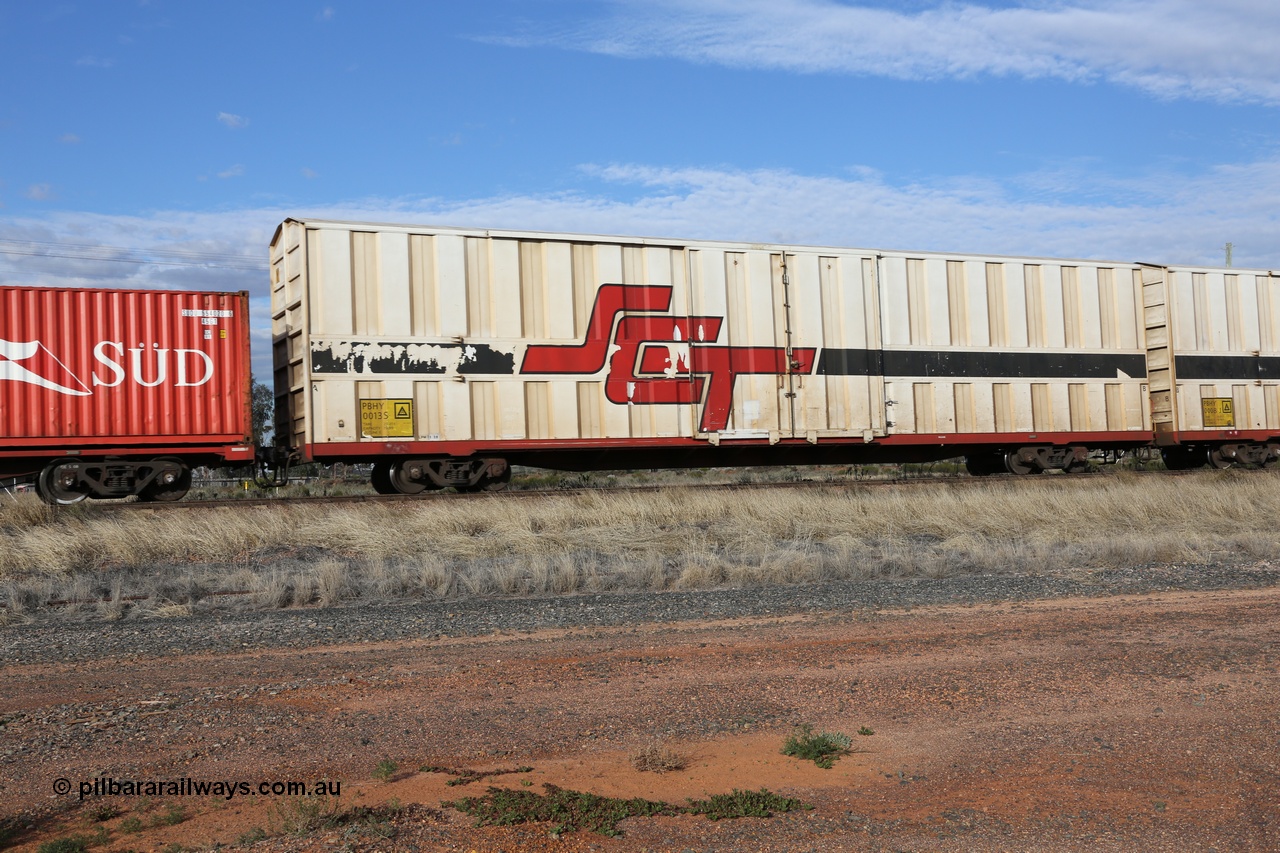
{"x":159,"y":143}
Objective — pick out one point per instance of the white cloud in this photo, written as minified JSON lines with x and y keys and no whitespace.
{"x":94,"y":62}
{"x":1223,"y":50}
{"x":309,"y":174}
{"x":1157,"y":217}
{"x":233,"y":121}
{"x":69,"y":139}
{"x":188,"y":251}
{"x":39,"y":192}
{"x":234,"y":172}
{"x":325,"y":15}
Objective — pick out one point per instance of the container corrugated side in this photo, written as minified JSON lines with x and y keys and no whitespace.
{"x":123,"y":368}
{"x":1226,"y":336}
{"x":513,"y":337}
{"x":485,"y":337}
{"x":1012,"y":345}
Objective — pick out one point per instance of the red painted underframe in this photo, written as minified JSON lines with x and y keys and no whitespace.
{"x":355,"y":450}
{"x":237,"y":451}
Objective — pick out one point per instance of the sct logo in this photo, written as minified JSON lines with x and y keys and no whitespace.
{"x":657,"y":360}
{"x":33,"y":363}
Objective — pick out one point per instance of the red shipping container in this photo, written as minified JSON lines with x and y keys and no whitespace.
{"x":97,"y":373}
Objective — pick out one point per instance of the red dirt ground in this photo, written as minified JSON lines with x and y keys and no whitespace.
{"x":1148,"y":722}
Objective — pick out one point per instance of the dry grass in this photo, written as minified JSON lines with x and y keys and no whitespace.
{"x":659,"y":759}
{"x":300,"y":555}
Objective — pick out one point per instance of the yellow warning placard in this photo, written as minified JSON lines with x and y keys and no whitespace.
{"x":386,"y":418}
{"x":1218,"y":412}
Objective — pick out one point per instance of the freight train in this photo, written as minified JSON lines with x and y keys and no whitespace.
{"x":443,"y":356}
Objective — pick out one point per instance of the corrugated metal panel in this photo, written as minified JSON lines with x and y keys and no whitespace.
{"x":126,"y":366}
{"x":1227,"y":344}
{"x":497,"y":336}
{"x":980,"y":333}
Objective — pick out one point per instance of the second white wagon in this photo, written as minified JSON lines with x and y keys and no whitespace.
{"x":444,"y":355}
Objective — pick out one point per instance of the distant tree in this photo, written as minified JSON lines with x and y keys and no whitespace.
{"x":264,"y":405}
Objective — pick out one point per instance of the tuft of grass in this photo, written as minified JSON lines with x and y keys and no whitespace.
{"x":822,"y":748}
{"x":103,"y":812}
{"x":385,"y":770}
{"x":304,"y":815}
{"x":252,"y":836}
{"x":658,"y":759}
{"x":866,"y":731}
{"x":172,"y":816}
{"x":466,"y":777}
{"x":762,"y":803}
{"x":70,"y":844}
{"x":131,"y":824}
{"x":570,"y":810}
{"x":566,"y":810}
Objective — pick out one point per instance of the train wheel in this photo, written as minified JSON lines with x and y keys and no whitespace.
{"x":1077,"y":466}
{"x":1014,"y":465}
{"x":403,"y":483}
{"x":494,"y":484}
{"x":380,"y":479}
{"x":58,"y":489}
{"x":169,"y":485}
{"x":1218,"y":459}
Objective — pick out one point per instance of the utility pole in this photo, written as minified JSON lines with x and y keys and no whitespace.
{"x":1230,"y":246}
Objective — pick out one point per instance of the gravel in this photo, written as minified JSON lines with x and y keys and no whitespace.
{"x":66,"y":641}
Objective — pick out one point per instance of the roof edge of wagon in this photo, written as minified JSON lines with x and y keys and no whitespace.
{"x":635,"y":240}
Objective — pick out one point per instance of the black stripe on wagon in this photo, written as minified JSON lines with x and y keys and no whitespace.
{"x":409,"y":359}
{"x":972,"y":364}
{"x":1246,"y":367}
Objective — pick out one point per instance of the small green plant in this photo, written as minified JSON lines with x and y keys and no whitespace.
{"x":570,"y":810}
{"x":373,"y":822}
{"x":172,"y":816}
{"x":131,"y":824}
{"x":822,"y":748}
{"x":385,"y":770}
{"x":103,"y":811}
{"x":760,"y":803}
{"x":566,"y":810}
{"x":304,"y":815}
{"x":252,"y":836}
{"x":866,"y":731}
{"x":462,"y":776}
{"x":70,"y":844}
{"x":76,"y":843}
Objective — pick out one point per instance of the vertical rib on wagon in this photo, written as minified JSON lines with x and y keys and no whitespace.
{"x":111,"y":393}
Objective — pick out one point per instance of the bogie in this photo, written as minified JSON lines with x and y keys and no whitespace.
{"x":165,"y":478}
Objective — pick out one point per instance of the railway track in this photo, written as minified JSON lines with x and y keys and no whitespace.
{"x":958,"y":480}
